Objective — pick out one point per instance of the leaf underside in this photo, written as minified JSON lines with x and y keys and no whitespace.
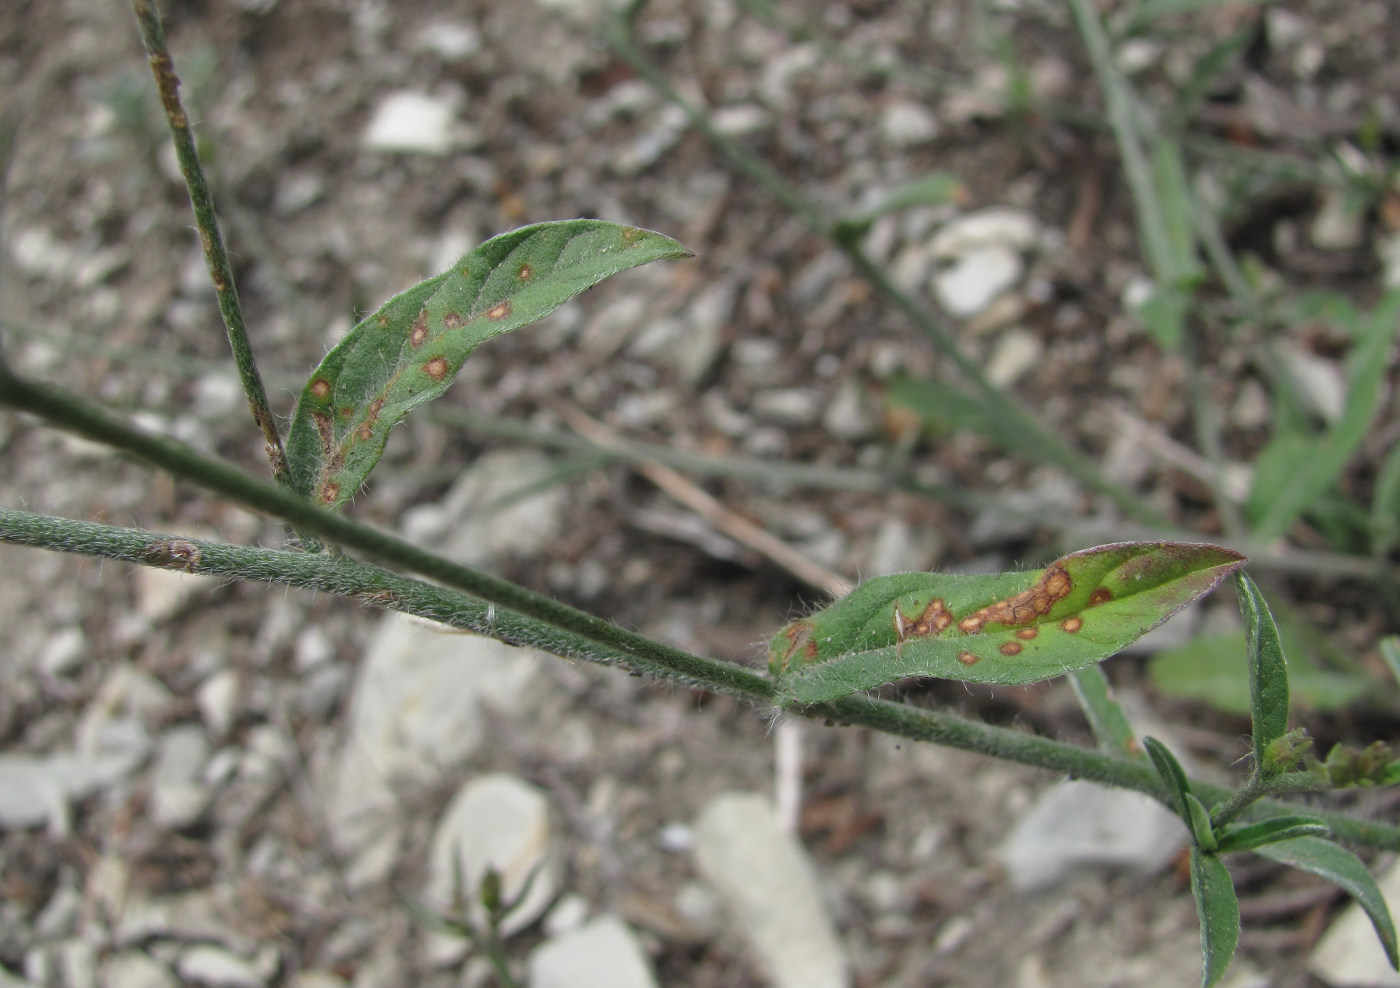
{"x":408,"y":351}
{"x":1007,"y":628}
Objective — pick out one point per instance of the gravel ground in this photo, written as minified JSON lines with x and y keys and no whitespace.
{"x":210,"y":825}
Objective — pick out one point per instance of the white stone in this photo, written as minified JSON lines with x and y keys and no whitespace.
{"x":788,"y":406}
{"x":901,"y":548}
{"x":318,"y":979}
{"x":1338,"y":224}
{"x":218,"y":968}
{"x":451,"y":41}
{"x":975,"y":279}
{"x":37,"y":789}
{"x":313,"y":648}
{"x":136,"y":969}
{"x":1079,"y":823}
{"x":64,"y":651}
{"x":741,"y":120}
{"x":1349,"y":955}
{"x":160,"y":593}
{"x":1017,"y":351}
{"x":602,"y":954}
{"x":848,"y":415}
{"x":411,"y":122}
{"x":415,"y":714}
{"x":217,"y":698}
{"x":1317,"y":380}
{"x":771,"y":892}
{"x":995,"y":226}
{"x":569,"y":913}
{"x":904,"y":124}
{"x":495,"y":822}
{"x":177,"y":797}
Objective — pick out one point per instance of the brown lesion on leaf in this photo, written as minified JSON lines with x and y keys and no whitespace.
{"x":347,"y":412}
{"x":383,"y":322}
{"x":177,"y":554}
{"x":1027,"y":634}
{"x":327,"y":492}
{"x":969,"y":658}
{"x":453,"y":320}
{"x":436,"y":368}
{"x":1101,"y":595}
{"x":934,"y":619}
{"x":1072,"y":624}
{"x":324,"y":431}
{"x":1054,"y":585}
{"x":320,"y":388}
{"x":1011,"y":648}
{"x":525,"y":273}
{"x":799,"y":636}
{"x":418,"y":332}
{"x":631,"y":236}
{"x":366,"y":428}
{"x":499,"y":311}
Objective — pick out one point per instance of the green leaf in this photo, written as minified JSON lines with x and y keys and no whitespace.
{"x":1344,"y":869}
{"x":1251,"y":836}
{"x":1268,"y":673}
{"x":1219,"y":913}
{"x":409,"y":351}
{"x":1214,"y":670}
{"x":1105,"y":715}
{"x":1173,"y":777}
{"x":933,"y":189}
{"x":1390,"y":652}
{"x":1005,"y":628}
{"x":1198,"y":818}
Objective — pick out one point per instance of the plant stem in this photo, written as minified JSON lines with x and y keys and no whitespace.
{"x":373,"y":585}
{"x":1257,"y":788}
{"x":210,"y":237}
{"x":72,"y":414}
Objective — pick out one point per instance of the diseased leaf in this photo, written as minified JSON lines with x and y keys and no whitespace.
{"x":408,"y":351}
{"x":1268,"y":673}
{"x":1344,"y":869}
{"x":1001,"y":628}
{"x":1219,"y":911}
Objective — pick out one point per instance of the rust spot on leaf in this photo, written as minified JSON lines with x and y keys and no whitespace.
{"x":498,"y":311}
{"x":419,"y":331}
{"x":1027,"y":634}
{"x":452,"y":320}
{"x":1023,"y":608}
{"x":346,"y":411}
{"x":320,"y":388}
{"x":366,"y":428}
{"x":935,"y":618}
{"x":1011,"y":648}
{"x":1101,"y":595}
{"x":1072,"y":624}
{"x":328,"y":492}
{"x":631,"y":236}
{"x":436,"y":368}
{"x":526,"y":272}
{"x":969,"y":658}
{"x":324,"y":431}
{"x":382,"y":322}
{"x":809,"y":651}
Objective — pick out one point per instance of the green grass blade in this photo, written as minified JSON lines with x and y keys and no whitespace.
{"x":409,"y":351}
{"x":1007,"y":628}
{"x":1219,"y":913}
{"x":1344,"y":869}
{"x":1268,"y":673}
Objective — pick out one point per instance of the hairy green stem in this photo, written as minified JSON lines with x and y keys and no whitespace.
{"x":69,"y":413}
{"x":1257,"y":788}
{"x":210,"y":237}
{"x":378,"y":587}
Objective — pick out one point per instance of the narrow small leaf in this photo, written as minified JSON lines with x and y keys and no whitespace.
{"x":1251,"y":836}
{"x":1172,"y":775}
{"x":1198,"y":818}
{"x":409,"y":351}
{"x":1268,"y":673}
{"x":1005,"y":628}
{"x":1344,"y":869}
{"x":1390,"y":652}
{"x":1104,"y":713}
{"x":1219,"y":913}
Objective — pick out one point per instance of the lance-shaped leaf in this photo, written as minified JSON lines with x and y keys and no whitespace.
{"x":1218,"y":909}
{"x":1268,"y":674}
{"x":1001,"y":628}
{"x":408,"y":351}
{"x":1339,"y":866}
